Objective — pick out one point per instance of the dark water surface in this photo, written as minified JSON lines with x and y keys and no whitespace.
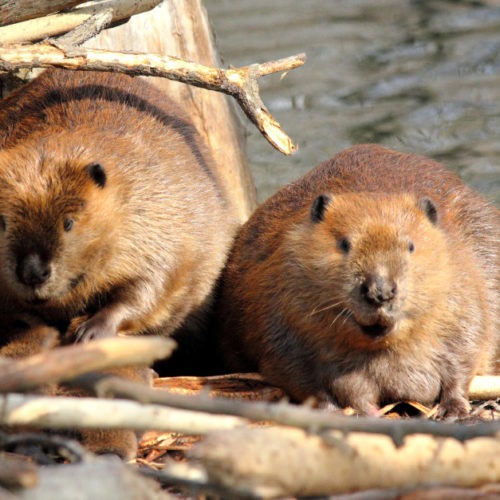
{"x":417,"y":76}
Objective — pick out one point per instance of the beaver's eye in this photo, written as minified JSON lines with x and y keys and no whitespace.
{"x":411,"y":247}
{"x":3,"y":224}
{"x":68,"y":224}
{"x":344,"y":245}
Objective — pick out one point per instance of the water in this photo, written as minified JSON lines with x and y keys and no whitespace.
{"x":417,"y":76}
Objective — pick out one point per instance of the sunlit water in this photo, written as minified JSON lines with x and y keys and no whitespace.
{"x":417,"y":76}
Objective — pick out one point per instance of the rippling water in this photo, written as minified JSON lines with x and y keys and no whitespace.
{"x":418,"y":76}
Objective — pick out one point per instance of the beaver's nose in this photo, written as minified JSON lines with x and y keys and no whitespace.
{"x":377,"y":290}
{"x":32,"y":270}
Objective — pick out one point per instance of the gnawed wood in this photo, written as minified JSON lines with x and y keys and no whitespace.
{"x":282,"y":462}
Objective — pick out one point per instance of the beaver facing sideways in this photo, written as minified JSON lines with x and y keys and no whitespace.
{"x":372,"y":279}
{"x":111,"y":216}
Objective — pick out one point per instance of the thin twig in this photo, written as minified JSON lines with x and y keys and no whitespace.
{"x":297,"y":416}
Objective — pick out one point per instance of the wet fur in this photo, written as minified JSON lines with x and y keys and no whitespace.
{"x":290,"y":305}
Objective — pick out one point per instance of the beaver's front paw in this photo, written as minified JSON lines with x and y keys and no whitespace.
{"x":453,"y":408}
{"x":84,"y":329}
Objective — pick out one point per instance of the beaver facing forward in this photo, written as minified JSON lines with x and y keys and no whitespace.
{"x":112,"y":220}
{"x":109,"y":208}
{"x":373,"y":278}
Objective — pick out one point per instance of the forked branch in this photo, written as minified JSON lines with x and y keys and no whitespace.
{"x":241,"y":83}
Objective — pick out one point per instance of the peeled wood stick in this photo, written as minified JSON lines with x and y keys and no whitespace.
{"x":285,"y":462}
{"x":55,"y":24}
{"x":92,"y":413}
{"x":292,"y":415}
{"x":14,"y":11}
{"x":485,"y":387}
{"x":65,"y":363}
{"x":241,"y":83}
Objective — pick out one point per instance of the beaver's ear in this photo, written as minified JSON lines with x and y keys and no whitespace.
{"x":429,"y":208}
{"x":319,"y":206}
{"x":97,"y":174}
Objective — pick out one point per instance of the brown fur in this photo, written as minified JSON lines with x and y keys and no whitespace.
{"x":111,"y":217}
{"x":293,"y":300}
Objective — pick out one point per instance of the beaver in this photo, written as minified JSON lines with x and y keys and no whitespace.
{"x":109,"y":208}
{"x":112,"y":220}
{"x":372,"y":279}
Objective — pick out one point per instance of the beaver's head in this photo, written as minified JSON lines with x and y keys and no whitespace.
{"x":52,"y":220}
{"x":373,"y":262}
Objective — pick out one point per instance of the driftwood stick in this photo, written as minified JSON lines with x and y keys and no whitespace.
{"x":485,"y":387}
{"x":92,"y":413}
{"x":87,"y":30}
{"x":64,"y":363}
{"x":14,"y":11}
{"x":285,"y":462}
{"x":303,"y":417}
{"x":241,"y":83}
{"x":55,"y":24}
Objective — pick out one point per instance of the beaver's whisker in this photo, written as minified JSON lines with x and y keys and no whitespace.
{"x":325,"y":308}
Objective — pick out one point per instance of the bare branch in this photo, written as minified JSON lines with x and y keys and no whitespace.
{"x":55,"y":24}
{"x":241,"y":83}
{"x":91,"y":413}
{"x":297,"y":416}
{"x":14,"y":11}
{"x":64,"y":363}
